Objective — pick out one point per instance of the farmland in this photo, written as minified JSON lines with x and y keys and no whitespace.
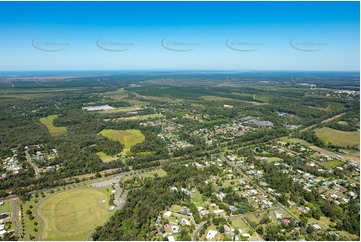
{"x":54,"y":131}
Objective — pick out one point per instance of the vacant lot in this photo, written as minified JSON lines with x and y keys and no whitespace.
{"x":338,"y":137}
{"x":105,"y":158}
{"x":74,"y":214}
{"x":331,"y":164}
{"x":128,"y":137}
{"x":54,"y":131}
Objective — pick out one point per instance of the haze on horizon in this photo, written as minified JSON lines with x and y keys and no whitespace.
{"x":180,"y":36}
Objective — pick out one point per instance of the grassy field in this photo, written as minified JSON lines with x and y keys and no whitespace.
{"x":238,"y":223}
{"x":159,"y":172}
{"x":31,"y":227}
{"x":175,"y":208}
{"x":274,"y":159}
{"x":223,"y":99}
{"x":338,"y":137}
{"x":122,"y":110}
{"x":128,"y":137}
{"x":74,"y":214}
{"x":54,"y":131}
{"x":331,"y":164}
{"x":260,"y":97}
{"x":105,"y":158}
{"x":142,"y":117}
{"x":197,"y":199}
{"x":6,"y":207}
{"x":216,"y":98}
{"x":324,"y":222}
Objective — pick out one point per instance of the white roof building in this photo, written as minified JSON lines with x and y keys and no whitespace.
{"x":211,"y":234}
{"x":175,"y":229}
{"x":218,"y":211}
{"x":316,"y":226}
{"x":167,"y":214}
{"x":278,"y":215}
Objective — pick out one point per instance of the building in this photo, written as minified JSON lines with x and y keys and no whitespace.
{"x":175,"y":229}
{"x":278,"y":215}
{"x":167,"y":214}
{"x":218,"y":211}
{"x":316,"y":226}
{"x":211,"y":234}
{"x":246,"y":235}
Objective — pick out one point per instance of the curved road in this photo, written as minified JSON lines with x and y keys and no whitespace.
{"x":117,"y":199}
{"x":41,"y":220}
{"x":36,"y":169}
{"x":197,"y":231}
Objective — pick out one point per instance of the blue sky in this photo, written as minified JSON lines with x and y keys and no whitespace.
{"x":179,"y":36}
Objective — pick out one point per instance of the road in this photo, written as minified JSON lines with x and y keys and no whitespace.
{"x":36,"y":169}
{"x":14,"y":217}
{"x":324,"y":121}
{"x":41,"y":220}
{"x":117,"y":198}
{"x":200,"y":226}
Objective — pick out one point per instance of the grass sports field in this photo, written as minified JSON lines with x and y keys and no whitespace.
{"x":73,"y":214}
{"x":128,"y":137}
{"x":54,"y":131}
{"x":338,"y":137}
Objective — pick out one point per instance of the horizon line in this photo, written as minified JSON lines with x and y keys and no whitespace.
{"x":179,"y":70}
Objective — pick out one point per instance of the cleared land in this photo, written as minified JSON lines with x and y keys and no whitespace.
{"x":222,"y":99}
{"x":338,"y":137}
{"x":353,"y":155}
{"x":74,"y":214}
{"x":143,"y":117}
{"x":258,"y":97}
{"x":128,"y":137}
{"x":122,"y":110}
{"x":105,"y":157}
{"x":331,"y":164}
{"x":54,"y":131}
{"x":151,"y":174}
